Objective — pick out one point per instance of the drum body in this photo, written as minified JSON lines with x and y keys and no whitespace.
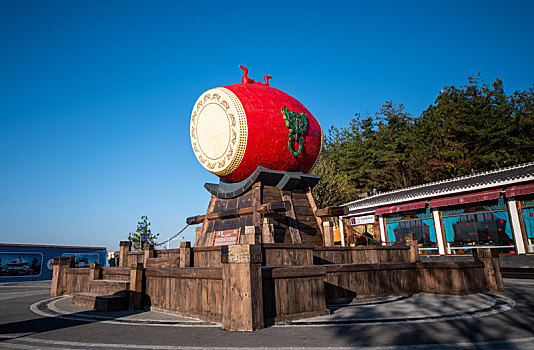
{"x":236,"y":128}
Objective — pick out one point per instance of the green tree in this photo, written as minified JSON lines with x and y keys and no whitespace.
{"x":522,"y":125}
{"x":334,"y":188}
{"x":475,"y":128}
{"x":468,"y":129}
{"x":143,"y":228}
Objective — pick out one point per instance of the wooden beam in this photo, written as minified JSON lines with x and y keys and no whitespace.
{"x":292,"y":219}
{"x":230,"y":214}
{"x":277,"y":207}
{"x":314,"y":209}
{"x":331,"y":211}
{"x":195,"y":220}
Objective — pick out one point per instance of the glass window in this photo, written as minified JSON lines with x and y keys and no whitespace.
{"x":481,"y":229}
{"x":414,"y":214}
{"x":528,"y":224}
{"x":423,"y":229}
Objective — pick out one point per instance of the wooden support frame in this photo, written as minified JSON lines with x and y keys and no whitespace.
{"x":289,"y":213}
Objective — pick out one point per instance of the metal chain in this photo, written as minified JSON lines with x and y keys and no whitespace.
{"x":173,"y":237}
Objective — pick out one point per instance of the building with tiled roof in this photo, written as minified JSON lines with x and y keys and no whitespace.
{"x":489,"y":209}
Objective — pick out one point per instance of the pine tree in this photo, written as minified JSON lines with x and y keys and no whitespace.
{"x":142,"y":229}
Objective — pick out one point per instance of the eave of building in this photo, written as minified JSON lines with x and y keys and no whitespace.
{"x":495,"y":178}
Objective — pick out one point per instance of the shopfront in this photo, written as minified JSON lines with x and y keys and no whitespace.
{"x":478,"y":225}
{"x":360,"y":230}
{"x":487,"y":210}
{"x":419,"y":223}
{"x":527,"y":216}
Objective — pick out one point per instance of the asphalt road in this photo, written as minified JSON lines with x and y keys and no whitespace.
{"x":22,"y":328}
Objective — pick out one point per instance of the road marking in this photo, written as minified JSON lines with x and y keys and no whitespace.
{"x":47,"y":308}
{"x":35,"y":343}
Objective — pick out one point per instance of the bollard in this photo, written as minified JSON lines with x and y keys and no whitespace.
{"x":492,"y":267}
{"x":149,"y":252}
{"x":242,"y":287}
{"x":58,"y":274}
{"x":95,"y":271}
{"x":185,"y":254}
{"x":137,"y":273}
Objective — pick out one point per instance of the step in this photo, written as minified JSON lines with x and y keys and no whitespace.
{"x":101,"y":302}
{"x":163,"y":262}
{"x":108,"y":286}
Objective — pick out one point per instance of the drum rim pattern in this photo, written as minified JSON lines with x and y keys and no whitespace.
{"x":230,"y":103}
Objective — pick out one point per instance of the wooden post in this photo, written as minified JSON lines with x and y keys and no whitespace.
{"x":292,"y":224}
{"x":492,"y":268}
{"x":242,"y":287}
{"x":198,"y":233}
{"x":185,"y":254}
{"x":149,"y":252}
{"x":125,"y":247}
{"x":58,"y":274}
{"x":328,"y":234}
{"x":95,"y":271}
{"x":267,"y":231}
{"x":137,"y":273}
{"x":414,"y":248}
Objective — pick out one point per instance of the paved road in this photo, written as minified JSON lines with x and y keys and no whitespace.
{"x":501,"y":321}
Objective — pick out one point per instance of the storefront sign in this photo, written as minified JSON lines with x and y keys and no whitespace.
{"x":362,"y":220}
{"x":226,"y":237}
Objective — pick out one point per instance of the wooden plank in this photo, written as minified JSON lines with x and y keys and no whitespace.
{"x":331,"y":211}
{"x":185,"y":272}
{"x":292,"y":296}
{"x":292,"y":220}
{"x":294,"y":271}
{"x":314,"y":208}
{"x":182,"y":291}
{"x":205,"y":237}
{"x":301,"y":202}
{"x":282,"y":305}
{"x":256,"y":200}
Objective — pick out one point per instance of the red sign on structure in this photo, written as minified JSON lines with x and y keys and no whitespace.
{"x":226,"y":237}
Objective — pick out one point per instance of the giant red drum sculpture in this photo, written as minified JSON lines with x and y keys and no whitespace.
{"x":236,"y":128}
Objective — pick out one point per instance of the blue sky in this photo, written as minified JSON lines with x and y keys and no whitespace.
{"x":96,"y":96}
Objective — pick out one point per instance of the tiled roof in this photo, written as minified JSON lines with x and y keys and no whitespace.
{"x":489,"y":179}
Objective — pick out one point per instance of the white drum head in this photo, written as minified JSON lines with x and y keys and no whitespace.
{"x":219,"y":131}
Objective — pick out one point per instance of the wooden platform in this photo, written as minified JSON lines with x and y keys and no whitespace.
{"x":268,"y":214}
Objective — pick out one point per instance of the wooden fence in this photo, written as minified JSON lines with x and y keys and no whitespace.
{"x":116,"y":273}
{"x":361,"y":255}
{"x":236,"y":286}
{"x":195,"y":292}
